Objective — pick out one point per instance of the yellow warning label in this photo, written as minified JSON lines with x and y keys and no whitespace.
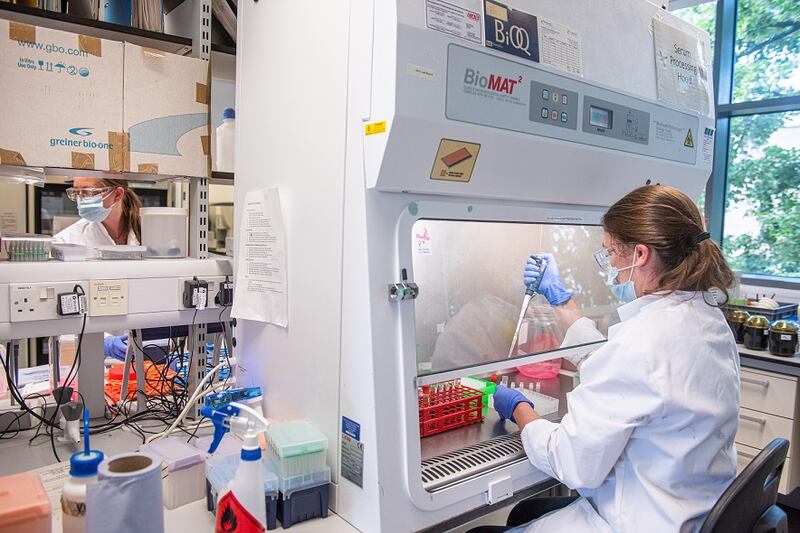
{"x":455,"y":160}
{"x":375,"y":127}
{"x":689,"y":142}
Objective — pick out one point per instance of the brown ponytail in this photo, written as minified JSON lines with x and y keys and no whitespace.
{"x":669,"y":222}
{"x":131,"y":219}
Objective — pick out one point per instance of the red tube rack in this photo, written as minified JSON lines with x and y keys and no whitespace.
{"x":448,"y":408}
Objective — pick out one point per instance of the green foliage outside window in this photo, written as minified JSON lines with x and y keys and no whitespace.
{"x":763,"y":182}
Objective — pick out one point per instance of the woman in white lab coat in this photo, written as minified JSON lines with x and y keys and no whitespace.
{"x":109,"y":212}
{"x":648,"y":438}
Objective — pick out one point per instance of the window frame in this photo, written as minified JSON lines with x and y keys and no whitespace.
{"x":716,"y":188}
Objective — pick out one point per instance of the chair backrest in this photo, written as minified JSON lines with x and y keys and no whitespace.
{"x":749,"y":503}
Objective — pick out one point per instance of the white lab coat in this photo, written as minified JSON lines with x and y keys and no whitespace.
{"x":648,"y":438}
{"x":90,"y":234}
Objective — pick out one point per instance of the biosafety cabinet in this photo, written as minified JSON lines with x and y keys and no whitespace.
{"x":422,"y":149}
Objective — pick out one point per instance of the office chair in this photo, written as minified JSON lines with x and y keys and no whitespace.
{"x":749,"y":504}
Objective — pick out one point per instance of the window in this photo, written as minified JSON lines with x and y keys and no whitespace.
{"x":767,"y":49}
{"x":762,"y":212}
{"x":703,"y":15}
{"x":753,"y":200}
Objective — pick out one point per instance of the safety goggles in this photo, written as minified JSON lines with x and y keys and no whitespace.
{"x":82,"y":193}
{"x":603,"y":258}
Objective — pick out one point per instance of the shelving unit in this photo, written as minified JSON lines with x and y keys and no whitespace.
{"x":165,"y":278}
{"x":95,"y":28}
{"x":223,"y":178}
{"x":223,"y":58}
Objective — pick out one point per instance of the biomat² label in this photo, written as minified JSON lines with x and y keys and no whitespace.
{"x":493,"y":86}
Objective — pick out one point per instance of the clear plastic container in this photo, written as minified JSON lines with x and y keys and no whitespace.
{"x":296,"y":448}
{"x":183,"y":471}
{"x":221,"y":470}
{"x":123,"y":251}
{"x":291,"y":484}
{"x":165,"y":231}
{"x":63,"y":251}
{"x":539,"y":333}
{"x":27,"y":246}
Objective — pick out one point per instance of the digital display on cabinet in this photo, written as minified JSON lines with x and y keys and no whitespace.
{"x":600,"y":117}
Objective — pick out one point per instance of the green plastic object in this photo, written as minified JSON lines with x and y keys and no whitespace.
{"x":486,"y":387}
{"x":295,"y":437}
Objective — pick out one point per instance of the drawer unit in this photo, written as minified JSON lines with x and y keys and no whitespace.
{"x":745,"y":454}
{"x":758,"y":429}
{"x":768,"y":393}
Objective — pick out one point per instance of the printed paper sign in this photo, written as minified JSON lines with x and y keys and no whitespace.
{"x":512,"y":31}
{"x":261,"y":266}
{"x":560,"y":47}
{"x":682,"y":68}
{"x":460,"y":18}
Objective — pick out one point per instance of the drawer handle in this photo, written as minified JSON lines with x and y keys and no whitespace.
{"x":746,"y":455}
{"x":754,"y":419}
{"x":760,"y":383}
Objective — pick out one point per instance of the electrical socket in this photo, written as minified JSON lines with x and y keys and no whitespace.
{"x":38,"y":301}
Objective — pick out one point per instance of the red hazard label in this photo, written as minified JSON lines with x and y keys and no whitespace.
{"x":232,"y":516}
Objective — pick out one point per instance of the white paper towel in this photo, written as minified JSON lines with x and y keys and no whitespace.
{"x":127,"y":495}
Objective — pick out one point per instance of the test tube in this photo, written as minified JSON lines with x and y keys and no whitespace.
{"x":538,"y":387}
{"x":504,"y":381}
{"x":530,"y":385}
{"x":513,"y":385}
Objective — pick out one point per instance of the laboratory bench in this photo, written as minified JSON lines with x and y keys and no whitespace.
{"x":18,"y":456}
{"x":769,"y":407}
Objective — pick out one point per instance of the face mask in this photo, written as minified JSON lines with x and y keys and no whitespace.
{"x":624,"y":292}
{"x":92,"y":209}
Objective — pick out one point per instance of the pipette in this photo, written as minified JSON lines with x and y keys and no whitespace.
{"x":530,"y":291}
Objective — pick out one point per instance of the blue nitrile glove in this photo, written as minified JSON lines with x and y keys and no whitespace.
{"x":115,"y":346}
{"x":551,"y":286}
{"x":506,"y":400}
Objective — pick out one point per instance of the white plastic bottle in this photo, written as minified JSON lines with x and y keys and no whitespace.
{"x":82,"y":471}
{"x":248,"y":484}
{"x":246,"y":491}
{"x":226,"y":141}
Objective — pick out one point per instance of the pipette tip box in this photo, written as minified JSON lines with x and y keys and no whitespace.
{"x":182,"y":470}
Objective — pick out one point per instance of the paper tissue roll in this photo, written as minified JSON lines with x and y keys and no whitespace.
{"x":127,"y":495}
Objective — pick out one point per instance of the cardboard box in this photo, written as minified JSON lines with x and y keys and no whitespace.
{"x":61,"y":99}
{"x":166,"y":112}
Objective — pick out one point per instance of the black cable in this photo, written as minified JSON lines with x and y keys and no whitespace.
{"x":71,"y":375}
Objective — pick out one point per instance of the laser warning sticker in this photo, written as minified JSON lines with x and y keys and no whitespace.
{"x":373,"y":128}
{"x":455,"y":160}
{"x":689,"y":141}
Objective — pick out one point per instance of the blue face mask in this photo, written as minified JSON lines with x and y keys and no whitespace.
{"x":92,"y":209}
{"x":624,"y":292}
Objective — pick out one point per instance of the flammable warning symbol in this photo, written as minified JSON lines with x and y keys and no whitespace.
{"x":689,"y":142}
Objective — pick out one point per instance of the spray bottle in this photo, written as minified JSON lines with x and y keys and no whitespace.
{"x":241,"y":507}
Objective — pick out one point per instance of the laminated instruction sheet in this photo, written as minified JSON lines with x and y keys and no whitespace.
{"x":261,"y":261}
{"x":683,"y":68}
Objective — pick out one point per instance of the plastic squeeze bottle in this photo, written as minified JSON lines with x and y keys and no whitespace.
{"x":82,"y":471}
{"x":226,"y":141}
{"x":241,"y":507}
